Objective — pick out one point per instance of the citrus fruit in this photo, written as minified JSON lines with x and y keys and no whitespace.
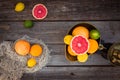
{"x":93,"y":46}
{"x":80,"y":30}
{"x":94,"y":34}
{"x":70,"y":51}
{"x":36,"y":50}
{"x":39,"y":11}
{"x":28,"y":24}
{"x":67,"y":39}
{"x":19,"y":7}
{"x":22,"y":47}
{"x":79,"y":44}
{"x":82,"y":58}
{"x":31,"y":62}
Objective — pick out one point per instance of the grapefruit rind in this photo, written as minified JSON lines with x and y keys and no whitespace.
{"x":43,"y":7}
{"x":83,"y":45}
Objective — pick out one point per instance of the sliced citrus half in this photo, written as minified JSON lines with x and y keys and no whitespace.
{"x":39,"y":11}
{"x":79,"y":45}
{"x":82,"y":58}
{"x":93,"y":46}
{"x":81,"y":30}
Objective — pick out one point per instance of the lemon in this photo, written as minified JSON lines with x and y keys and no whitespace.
{"x":83,"y":57}
{"x":28,"y":24}
{"x":67,"y":39}
{"x":19,"y":7}
{"x":31,"y":62}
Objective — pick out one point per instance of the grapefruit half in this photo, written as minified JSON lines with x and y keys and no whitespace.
{"x":79,"y":44}
{"x":39,"y":11}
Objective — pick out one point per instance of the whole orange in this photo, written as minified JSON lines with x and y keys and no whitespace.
{"x":36,"y":50}
{"x":93,"y":46}
{"x":22,"y":47}
{"x":81,"y":30}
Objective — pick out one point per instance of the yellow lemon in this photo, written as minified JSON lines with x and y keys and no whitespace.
{"x":83,"y":57}
{"x":31,"y":62}
{"x":67,"y":39}
{"x":19,"y":7}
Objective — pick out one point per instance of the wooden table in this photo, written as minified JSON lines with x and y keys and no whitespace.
{"x":63,"y":15}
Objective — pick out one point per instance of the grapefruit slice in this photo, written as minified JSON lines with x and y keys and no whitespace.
{"x":79,"y":44}
{"x":39,"y":11}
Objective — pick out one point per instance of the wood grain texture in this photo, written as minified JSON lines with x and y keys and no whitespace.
{"x":76,"y":73}
{"x":52,"y":33}
{"x":62,"y":16}
{"x":64,"y":10}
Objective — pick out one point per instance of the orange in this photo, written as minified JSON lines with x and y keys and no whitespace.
{"x":93,"y":46}
{"x":22,"y":47}
{"x":70,"y":51}
{"x":81,"y":30}
{"x":31,"y":62}
{"x":36,"y":50}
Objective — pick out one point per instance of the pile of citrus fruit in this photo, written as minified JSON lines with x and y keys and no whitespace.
{"x":39,"y":12}
{"x":82,"y":42}
{"x":23,"y":48}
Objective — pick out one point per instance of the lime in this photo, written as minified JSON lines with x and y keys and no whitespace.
{"x":31,"y":62}
{"x":19,"y":7}
{"x":67,"y":39}
{"x":28,"y":24}
{"x":94,"y":34}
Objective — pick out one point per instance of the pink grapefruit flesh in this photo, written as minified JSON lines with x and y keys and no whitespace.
{"x":79,"y":45}
{"x":39,"y":11}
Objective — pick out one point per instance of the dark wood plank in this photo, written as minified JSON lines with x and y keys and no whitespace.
{"x":64,"y":10}
{"x":29,"y":76}
{"x":77,"y":73}
{"x":54,"y":32}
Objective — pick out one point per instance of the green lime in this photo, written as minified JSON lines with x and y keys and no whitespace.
{"x":94,"y":34}
{"x":28,"y":24}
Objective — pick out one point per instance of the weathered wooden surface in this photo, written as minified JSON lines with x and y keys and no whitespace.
{"x":52,"y":34}
{"x":64,"y":9}
{"x":63,"y":15}
{"x":75,"y":73}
